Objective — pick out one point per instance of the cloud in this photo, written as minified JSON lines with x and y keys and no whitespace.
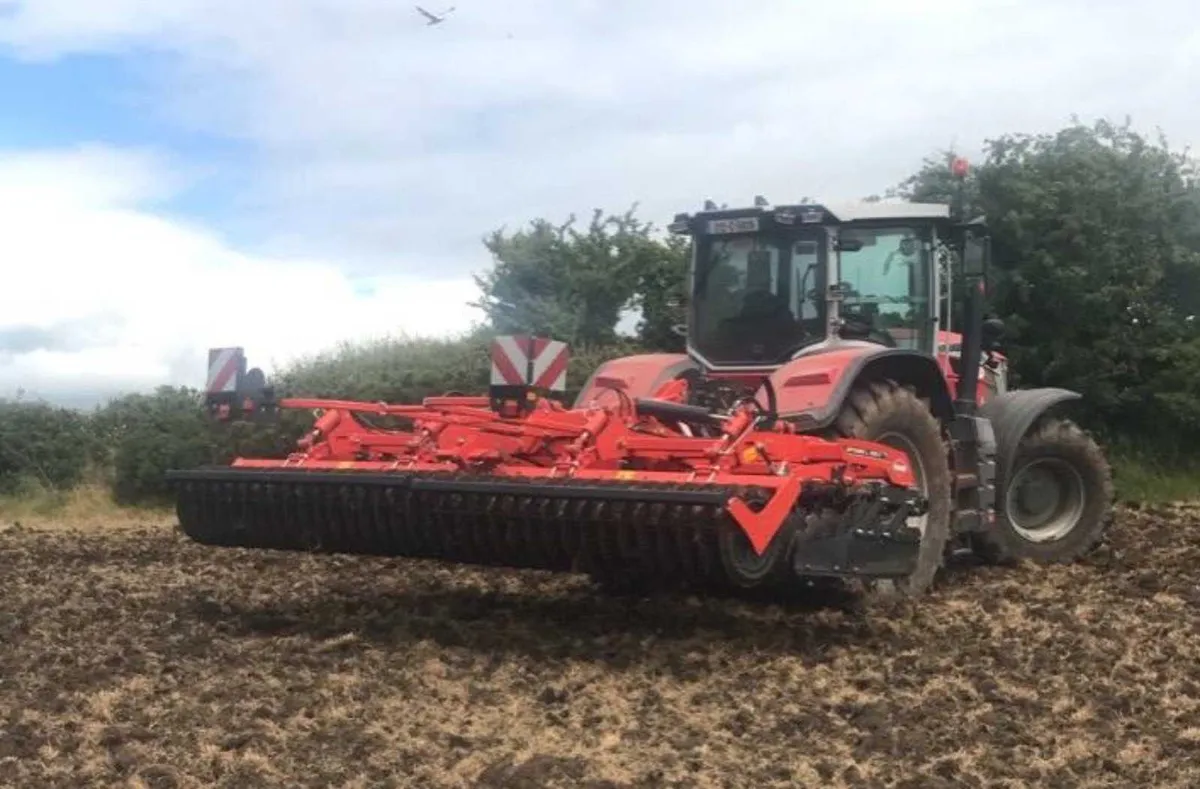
{"x":379,"y":137}
{"x":68,"y":335}
{"x":102,"y":295}
{"x":380,"y":150}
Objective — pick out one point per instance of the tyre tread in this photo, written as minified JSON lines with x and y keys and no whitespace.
{"x":1001,"y":546}
{"x":880,"y":400}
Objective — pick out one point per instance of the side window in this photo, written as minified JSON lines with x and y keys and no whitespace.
{"x":805,"y":277}
{"x":887,"y":283}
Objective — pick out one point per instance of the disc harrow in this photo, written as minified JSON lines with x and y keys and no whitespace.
{"x":669,"y":532}
{"x":652,"y":487}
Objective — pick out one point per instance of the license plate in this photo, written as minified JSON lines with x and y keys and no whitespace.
{"x":745,"y":224}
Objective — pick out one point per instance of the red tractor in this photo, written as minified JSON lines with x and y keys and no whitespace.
{"x":826,"y":421}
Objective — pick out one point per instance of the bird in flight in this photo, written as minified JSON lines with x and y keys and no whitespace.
{"x":434,"y":19}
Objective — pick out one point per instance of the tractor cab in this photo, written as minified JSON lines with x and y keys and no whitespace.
{"x":770,"y":284}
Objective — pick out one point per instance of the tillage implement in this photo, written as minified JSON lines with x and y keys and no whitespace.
{"x":837,"y":414}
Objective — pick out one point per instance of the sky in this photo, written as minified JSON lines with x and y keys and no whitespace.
{"x":285,"y":175}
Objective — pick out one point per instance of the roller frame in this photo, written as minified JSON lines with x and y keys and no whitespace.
{"x":552,"y":444}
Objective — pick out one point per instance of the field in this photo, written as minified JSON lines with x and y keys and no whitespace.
{"x":130,"y":657}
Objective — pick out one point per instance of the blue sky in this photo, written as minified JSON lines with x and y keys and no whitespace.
{"x":111,"y":98}
{"x":163,"y":165}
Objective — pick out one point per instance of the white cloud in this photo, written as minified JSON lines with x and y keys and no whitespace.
{"x":376,"y":133}
{"x":379,"y":144}
{"x":100,"y":294}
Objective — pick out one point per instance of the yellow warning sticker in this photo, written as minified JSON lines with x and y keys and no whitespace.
{"x":626,"y":475}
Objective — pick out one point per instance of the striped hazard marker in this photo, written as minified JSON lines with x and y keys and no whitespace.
{"x":521,"y":360}
{"x":225,"y":367}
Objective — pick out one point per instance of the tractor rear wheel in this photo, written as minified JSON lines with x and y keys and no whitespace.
{"x":885,"y":412}
{"x":1055,"y":505}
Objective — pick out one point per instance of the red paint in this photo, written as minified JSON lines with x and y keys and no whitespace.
{"x":809,"y":382}
{"x":606,"y":439}
{"x":820,"y":378}
{"x":226,"y":374}
{"x":555,"y":368}
{"x":603,"y":441}
{"x":638,"y":376}
{"x":508,"y":371}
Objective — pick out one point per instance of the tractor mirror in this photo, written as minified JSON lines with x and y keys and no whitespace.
{"x":976,"y":251}
{"x":993,"y":331}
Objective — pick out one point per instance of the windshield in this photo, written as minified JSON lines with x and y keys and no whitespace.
{"x":886,"y":286}
{"x":756,"y":297}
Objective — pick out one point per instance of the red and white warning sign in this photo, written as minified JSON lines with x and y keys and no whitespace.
{"x":521,"y":360}
{"x":225,"y":366}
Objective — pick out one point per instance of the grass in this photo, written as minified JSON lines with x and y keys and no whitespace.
{"x":87,"y":506}
{"x":1142,"y":478}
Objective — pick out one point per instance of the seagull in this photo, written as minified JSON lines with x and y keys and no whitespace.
{"x":434,"y":19}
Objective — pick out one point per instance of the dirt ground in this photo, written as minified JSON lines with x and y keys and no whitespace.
{"x":130,"y":657}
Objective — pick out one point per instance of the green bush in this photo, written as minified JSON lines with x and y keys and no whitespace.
{"x":139,"y":437}
{"x":146,"y":435}
{"x":404,"y":370}
{"x":401,"y":370}
{"x":42,"y":445}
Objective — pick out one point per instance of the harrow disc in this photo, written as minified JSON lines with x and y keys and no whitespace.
{"x":664,"y":530}
{"x":676,"y":534}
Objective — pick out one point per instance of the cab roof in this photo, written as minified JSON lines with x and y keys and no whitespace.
{"x":862,"y":210}
{"x":842,"y":211}
{"x":833,"y":213}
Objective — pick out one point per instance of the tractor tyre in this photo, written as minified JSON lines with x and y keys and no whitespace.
{"x":1056,"y":502}
{"x":885,"y":412}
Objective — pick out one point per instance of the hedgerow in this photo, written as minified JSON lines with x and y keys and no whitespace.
{"x":133,"y":440}
{"x":42,"y":444}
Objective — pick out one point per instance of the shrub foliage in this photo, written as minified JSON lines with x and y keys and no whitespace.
{"x":43,"y":445}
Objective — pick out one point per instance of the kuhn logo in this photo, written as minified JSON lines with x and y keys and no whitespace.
{"x":871,"y":453}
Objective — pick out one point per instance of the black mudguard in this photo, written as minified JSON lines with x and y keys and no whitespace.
{"x":1012,"y":413}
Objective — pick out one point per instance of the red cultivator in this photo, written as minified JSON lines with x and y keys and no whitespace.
{"x":825,"y":421}
{"x":523,"y":481}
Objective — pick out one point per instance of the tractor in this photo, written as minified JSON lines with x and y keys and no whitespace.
{"x":828,"y":420}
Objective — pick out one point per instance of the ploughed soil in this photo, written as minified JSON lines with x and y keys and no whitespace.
{"x":131,"y":657}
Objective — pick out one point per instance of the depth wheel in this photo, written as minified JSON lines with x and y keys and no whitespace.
{"x":744,"y":568}
{"x":1055,"y":505}
{"x":889,"y":414}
